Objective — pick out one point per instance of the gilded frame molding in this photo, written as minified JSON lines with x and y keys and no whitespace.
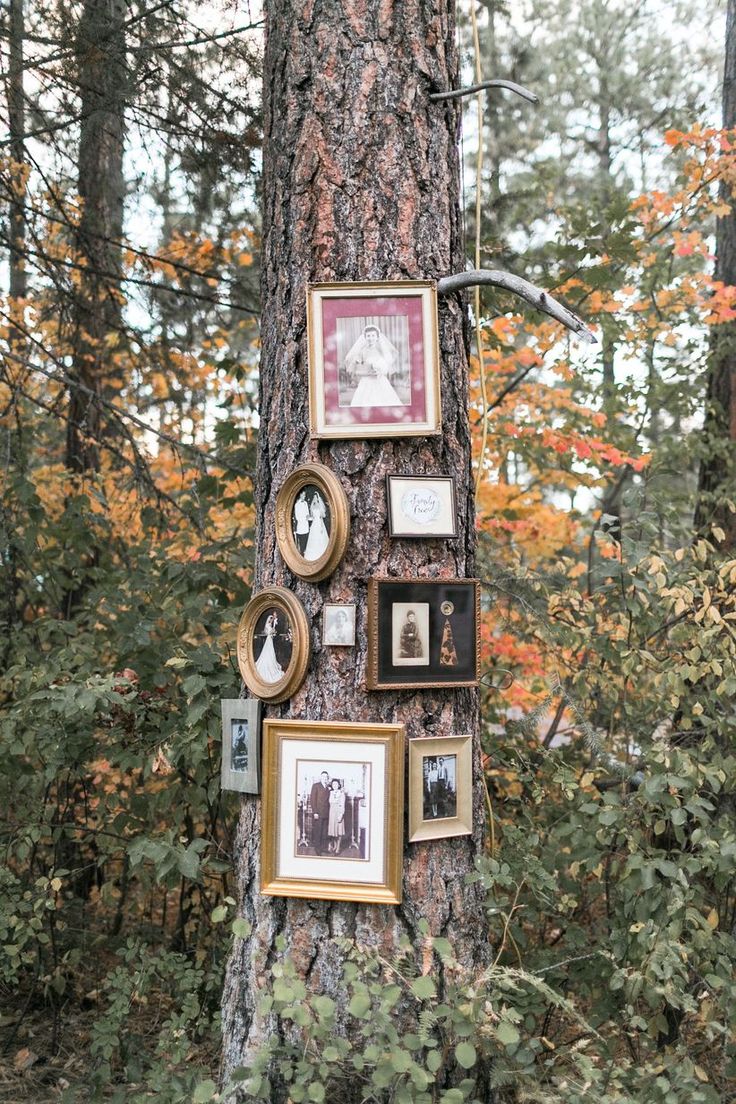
{"x":331,"y":488}
{"x":372,"y":678}
{"x":290,"y":605}
{"x":342,"y":734}
{"x":462,"y":823}
{"x":427,"y":290}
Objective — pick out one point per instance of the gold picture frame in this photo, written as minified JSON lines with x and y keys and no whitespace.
{"x":341,"y":848}
{"x":312,"y":500}
{"x":440,"y":787}
{"x":277,"y":620}
{"x":441,"y":646}
{"x":374,"y":359}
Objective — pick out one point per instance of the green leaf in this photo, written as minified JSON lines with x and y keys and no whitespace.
{"x":219,"y":914}
{"x":360,"y":1005}
{"x":423,"y":987}
{"x":203,"y":1092}
{"x":242,"y":928}
{"x":507,"y":1034}
{"x":465,"y":1055}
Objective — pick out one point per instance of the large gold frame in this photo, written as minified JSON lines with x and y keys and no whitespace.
{"x":331,"y":487}
{"x":387,"y":892}
{"x":290,"y":605}
{"x":462,"y":823}
{"x":424,"y":289}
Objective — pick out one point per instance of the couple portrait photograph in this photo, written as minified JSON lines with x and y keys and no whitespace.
{"x":311,"y":523}
{"x":440,"y":786}
{"x":332,"y":813}
{"x":272,"y":645}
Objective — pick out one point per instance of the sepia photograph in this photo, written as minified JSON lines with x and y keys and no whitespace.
{"x":338,"y":625}
{"x":440,"y":787}
{"x":410,"y":628}
{"x":273,"y":644}
{"x":333,"y":809}
{"x":332,"y":822}
{"x":440,"y":793}
{"x":421,"y":506}
{"x":423,"y":632}
{"x":374,"y":367}
{"x":241,"y":730}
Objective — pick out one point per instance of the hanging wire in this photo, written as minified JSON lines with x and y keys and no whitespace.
{"x":478,"y":211}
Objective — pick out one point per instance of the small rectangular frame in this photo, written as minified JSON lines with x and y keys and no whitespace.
{"x":241,"y":711}
{"x":368,"y":863}
{"x":338,"y":606}
{"x":422,"y":530}
{"x":461,"y":824}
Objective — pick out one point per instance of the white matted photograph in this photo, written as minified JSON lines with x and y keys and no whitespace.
{"x":421,"y":506}
{"x":241,"y":736}
{"x":338,"y":625}
{"x":332,"y":816}
{"x":410,"y":634}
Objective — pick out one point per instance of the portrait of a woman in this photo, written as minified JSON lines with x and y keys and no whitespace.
{"x":372,"y":360}
{"x":267,"y":665}
{"x":336,"y":823}
{"x":410,"y":643}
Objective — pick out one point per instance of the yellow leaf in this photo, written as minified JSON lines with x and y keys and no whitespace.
{"x":712,"y":919}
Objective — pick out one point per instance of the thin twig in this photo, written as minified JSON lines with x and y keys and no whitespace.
{"x":511,"y":86}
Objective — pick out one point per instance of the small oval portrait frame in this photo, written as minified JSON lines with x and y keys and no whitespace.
{"x":329,"y":486}
{"x":281,"y":599}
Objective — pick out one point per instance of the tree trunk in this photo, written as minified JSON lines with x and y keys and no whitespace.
{"x":361,"y":182}
{"x":718,"y":466}
{"x":100,"y":51}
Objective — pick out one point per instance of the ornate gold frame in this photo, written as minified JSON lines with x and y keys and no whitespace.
{"x":392,"y":736}
{"x":297,"y":669}
{"x":462,"y":823}
{"x":331,"y":487}
{"x":427,"y":290}
{"x":372,"y":680}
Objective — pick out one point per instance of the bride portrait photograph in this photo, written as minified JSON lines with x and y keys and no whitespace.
{"x":272,"y":645}
{"x":373,"y":361}
{"x":311,"y":523}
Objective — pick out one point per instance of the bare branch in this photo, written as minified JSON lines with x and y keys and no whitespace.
{"x":456,"y":93}
{"x":496,"y":277}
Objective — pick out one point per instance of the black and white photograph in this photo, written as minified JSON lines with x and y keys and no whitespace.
{"x":421,"y":506}
{"x":338,"y":625}
{"x":332,"y":809}
{"x":241,"y":726}
{"x":410,"y":630}
{"x":374,"y":367}
{"x":311,"y":523}
{"x":272,"y":645}
{"x":440,"y":786}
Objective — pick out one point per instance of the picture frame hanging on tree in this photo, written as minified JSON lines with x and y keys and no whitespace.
{"x":440,"y":787}
{"x":421,"y":506}
{"x":374,"y":360}
{"x":312,"y":522}
{"x":273,"y":644}
{"x":423,"y":632}
{"x":241,"y":745}
{"x":338,"y":625}
{"x":333,"y":810}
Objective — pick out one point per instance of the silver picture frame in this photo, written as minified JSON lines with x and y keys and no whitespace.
{"x":241,"y":745}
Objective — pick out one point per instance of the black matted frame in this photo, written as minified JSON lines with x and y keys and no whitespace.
{"x":463,"y":595}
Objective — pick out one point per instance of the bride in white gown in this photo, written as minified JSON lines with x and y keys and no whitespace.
{"x":267,"y":665}
{"x":319,"y":538}
{"x":373,"y":358}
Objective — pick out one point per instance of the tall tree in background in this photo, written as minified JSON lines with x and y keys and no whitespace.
{"x":361,"y":182}
{"x":717,"y":485}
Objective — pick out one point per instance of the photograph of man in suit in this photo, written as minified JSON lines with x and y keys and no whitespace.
{"x":301,"y":521}
{"x":319,"y":800}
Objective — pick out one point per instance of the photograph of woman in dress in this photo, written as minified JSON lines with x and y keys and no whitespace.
{"x":272,"y":645}
{"x":440,"y":787}
{"x":372,"y":360}
{"x":311,"y":523}
{"x":410,"y":646}
{"x":336,"y":823}
{"x":410,"y":634}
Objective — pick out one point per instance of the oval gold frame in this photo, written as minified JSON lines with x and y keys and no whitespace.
{"x":312,"y":571}
{"x":290,"y":605}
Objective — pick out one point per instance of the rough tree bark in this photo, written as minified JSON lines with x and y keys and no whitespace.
{"x":361,"y":182}
{"x":100,"y":49}
{"x":718,"y":466}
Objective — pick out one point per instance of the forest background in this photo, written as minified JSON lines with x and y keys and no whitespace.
{"x":129,"y":186}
